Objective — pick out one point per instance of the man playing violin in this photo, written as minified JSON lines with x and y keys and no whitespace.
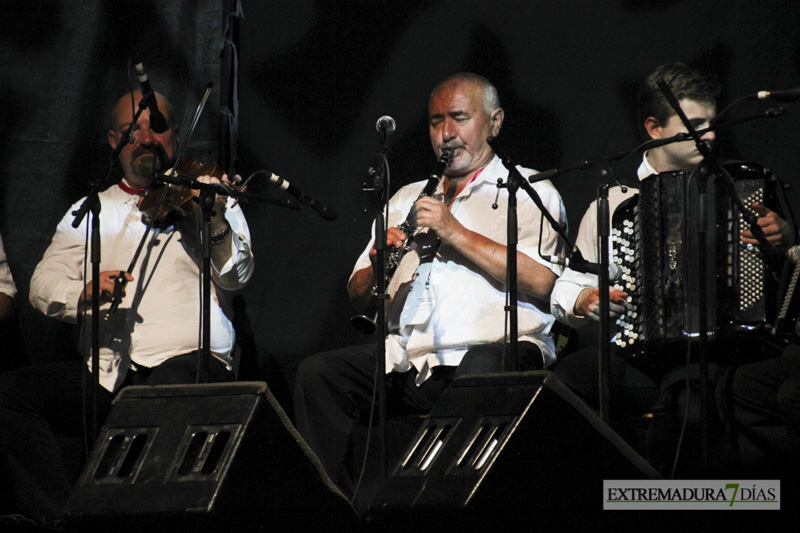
{"x":151,"y":339}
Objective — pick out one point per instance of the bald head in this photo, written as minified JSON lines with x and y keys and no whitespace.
{"x":127,"y":103}
{"x":489,"y":96}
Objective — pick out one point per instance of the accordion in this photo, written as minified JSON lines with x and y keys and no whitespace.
{"x":655,"y":241}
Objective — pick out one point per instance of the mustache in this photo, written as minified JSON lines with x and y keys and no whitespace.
{"x":155,"y":149}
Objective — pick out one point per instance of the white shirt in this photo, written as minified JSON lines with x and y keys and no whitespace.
{"x":571,"y":282}
{"x":465,"y":306}
{"x":6,"y":281}
{"x":159,"y":317}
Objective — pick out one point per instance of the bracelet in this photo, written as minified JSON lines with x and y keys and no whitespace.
{"x":220,"y":237}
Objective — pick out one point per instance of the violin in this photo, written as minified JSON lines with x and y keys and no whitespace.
{"x":167,"y":202}
{"x":174,"y":201}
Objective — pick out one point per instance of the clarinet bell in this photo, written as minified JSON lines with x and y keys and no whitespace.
{"x":364,"y":324}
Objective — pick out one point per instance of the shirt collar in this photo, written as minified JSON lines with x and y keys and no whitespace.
{"x":645,"y":169}
{"x":486,"y":174}
{"x":473,"y":182}
{"x":133,"y":191}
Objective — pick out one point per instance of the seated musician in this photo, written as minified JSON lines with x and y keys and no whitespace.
{"x":575,"y":298}
{"x":10,"y":334}
{"x":7,"y":287}
{"x":152,"y":339}
{"x":451,"y":321}
{"x":762,"y":408}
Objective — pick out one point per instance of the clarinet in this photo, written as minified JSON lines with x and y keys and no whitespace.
{"x":396,"y":255}
{"x":364,"y":323}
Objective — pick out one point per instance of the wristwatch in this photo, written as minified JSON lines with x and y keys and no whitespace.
{"x":217,"y":238}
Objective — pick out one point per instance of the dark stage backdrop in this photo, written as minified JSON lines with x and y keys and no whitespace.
{"x":314,"y":76}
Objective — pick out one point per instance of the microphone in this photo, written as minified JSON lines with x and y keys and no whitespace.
{"x":545,"y":175}
{"x":579,"y":264}
{"x":157,"y":121}
{"x":793,"y":254}
{"x":788,"y":95}
{"x":386,"y":124}
{"x":328,"y":213}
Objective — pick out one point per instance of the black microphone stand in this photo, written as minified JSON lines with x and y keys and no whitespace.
{"x":92,"y":203}
{"x":702,"y":183}
{"x":207,"y":200}
{"x":604,"y":351}
{"x":377,"y":191}
{"x":512,"y":239}
{"x":514,"y":182}
{"x":601,"y":269}
{"x":711,"y":166}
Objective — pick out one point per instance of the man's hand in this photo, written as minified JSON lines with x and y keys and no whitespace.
{"x":429,"y":212}
{"x":534,"y":279}
{"x":106,"y":287}
{"x":394,"y":239}
{"x":219,"y":200}
{"x":774,"y":227}
{"x":588,"y":303}
{"x":359,"y":289}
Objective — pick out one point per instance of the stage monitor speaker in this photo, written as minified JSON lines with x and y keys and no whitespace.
{"x":216,"y":456}
{"x":500,"y":447}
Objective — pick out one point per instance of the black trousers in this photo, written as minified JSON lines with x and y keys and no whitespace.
{"x":632,"y":393}
{"x":753,"y":426}
{"x":675,"y":435}
{"x":45,"y":413}
{"x":763,"y":413}
{"x":672,"y":441}
{"x":333,"y":393}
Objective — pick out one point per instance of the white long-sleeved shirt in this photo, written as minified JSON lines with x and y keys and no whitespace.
{"x":159,"y":317}
{"x":7,"y":285}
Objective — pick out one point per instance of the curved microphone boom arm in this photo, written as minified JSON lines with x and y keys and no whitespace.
{"x":574,"y":258}
{"x":653,"y":143}
{"x":525,"y":184}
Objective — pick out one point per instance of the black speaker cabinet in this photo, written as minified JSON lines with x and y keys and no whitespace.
{"x":506,"y":447}
{"x":213,"y":457}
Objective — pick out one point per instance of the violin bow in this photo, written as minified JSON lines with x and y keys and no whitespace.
{"x":120,"y":281}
